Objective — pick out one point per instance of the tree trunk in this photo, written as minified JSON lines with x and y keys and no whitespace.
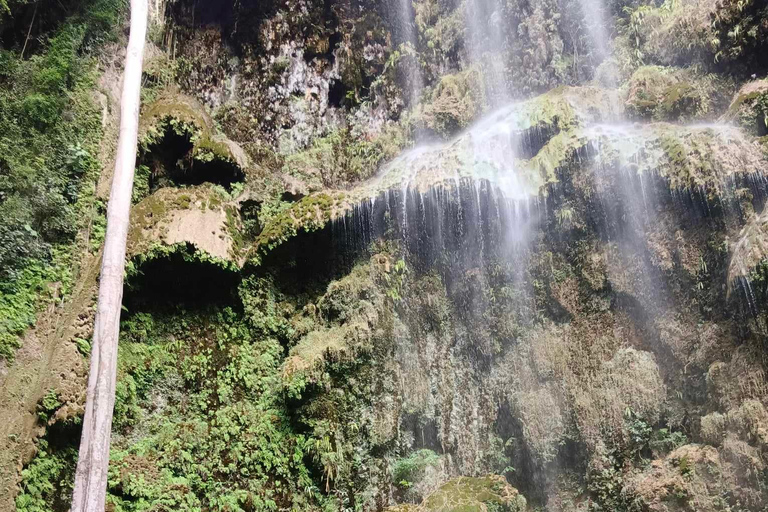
{"x":91,"y":476}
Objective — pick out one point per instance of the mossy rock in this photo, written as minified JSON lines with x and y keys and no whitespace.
{"x":201,"y":216}
{"x":750,"y":252}
{"x":708,"y":159}
{"x":671,"y":94}
{"x":353,"y":306}
{"x":470,"y":494}
{"x":498,"y":145}
{"x":749,"y":108}
{"x":177,"y":106}
{"x":566,"y":107}
{"x":501,"y":145}
{"x":309,"y":214}
{"x":454,"y":102}
{"x":187,"y":115}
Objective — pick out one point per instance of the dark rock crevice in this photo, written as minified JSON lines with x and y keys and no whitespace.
{"x":173,"y":159}
{"x":180,"y":279}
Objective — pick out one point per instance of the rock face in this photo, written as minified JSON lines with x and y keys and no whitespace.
{"x":478,"y":494}
{"x":418,"y":266}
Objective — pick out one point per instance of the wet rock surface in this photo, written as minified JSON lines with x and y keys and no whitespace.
{"x":386,"y":256}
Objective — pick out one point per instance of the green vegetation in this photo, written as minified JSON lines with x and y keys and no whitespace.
{"x":48,"y":405}
{"x":46,"y":484}
{"x":342,"y":157}
{"x":671,"y":94}
{"x":50,"y":128}
{"x":410,"y":469}
{"x":204,"y":415}
{"x":454,"y":102}
{"x":282,"y":220}
{"x":741,"y":32}
{"x":491,"y":493}
{"x":586,"y":362}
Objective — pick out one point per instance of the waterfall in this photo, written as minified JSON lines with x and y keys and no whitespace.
{"x":409,"y":44}
{"x":486,"y":41}
{"x":595,"y":22}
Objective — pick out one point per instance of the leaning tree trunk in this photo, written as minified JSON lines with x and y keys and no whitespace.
{"x":91,"y":476}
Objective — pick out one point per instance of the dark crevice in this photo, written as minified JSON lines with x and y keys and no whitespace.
{"x":249,"y":214}
{"x":309,"y":261}
{"x":171,"y":162}
{"x":166,"y":158}
{"x":762,"y":128}
{"x":238,"y":21}
{"x":26,"y":27}
{"x":218,"y":171}
{"x":291,"y":197}
{"x":531,"y":141}
{"x":180,"y":280}
{"x":426,"y":433}
{"x":337,"y":93}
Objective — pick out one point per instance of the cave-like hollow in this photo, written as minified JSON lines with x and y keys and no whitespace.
{"x":171,"y":162}
{"x":180,"y":279}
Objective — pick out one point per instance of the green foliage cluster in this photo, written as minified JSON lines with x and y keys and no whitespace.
{"x":441,"y":30}
{"x":342,"y":157}
{"x":605,"y":483}
{"x":46,"y":484}
{"x":410,"y":469}
{"x":222,"y":438}
{"x":605,"y":479}
{"x":282,"y":220}
{"x":741,"y":31}
{"x":751,"y":111}
{"x":670,"y":94}
{"x":204,"y":419}
{"x":49,"y":134}
{"x":48,"y":405}
{"x":453,"y":103}
{"x":358,"y":70}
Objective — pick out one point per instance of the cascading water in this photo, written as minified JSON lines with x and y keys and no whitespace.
{"x":475,"y":211}
{"x":595,"y":17}
{"x":486,"y":34}
{"x":414,"y":81}
{"x":565,"y":301}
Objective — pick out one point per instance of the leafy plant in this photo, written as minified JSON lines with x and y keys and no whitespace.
{"x":49,"y":133}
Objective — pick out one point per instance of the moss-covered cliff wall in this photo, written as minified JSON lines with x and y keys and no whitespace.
{"x":355,"y":282}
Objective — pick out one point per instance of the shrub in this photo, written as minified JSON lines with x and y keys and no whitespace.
{"x":409,"y":469}
{"x":49,"y":132}
{"x":741,"y":33}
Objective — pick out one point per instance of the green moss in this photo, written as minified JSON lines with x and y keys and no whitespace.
{"x":309,"y":214}
{"x":453,"y":103}
{"x":50,"y":131}
{"x":561,"y":150}
{"x":680,"y":100}
{"x":183,"y":201}
{"x":674,"y":150}
{"x":342,"y":158}
{"x":206,"y":149}
{"x":751,"y":111}
{"x":183,"y":117}
{"x":188,"y":252}
{"x":235,"y":228}
{"x":467,"y":494}
{"x":187,"y":113}
{"x":36,"y":285}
